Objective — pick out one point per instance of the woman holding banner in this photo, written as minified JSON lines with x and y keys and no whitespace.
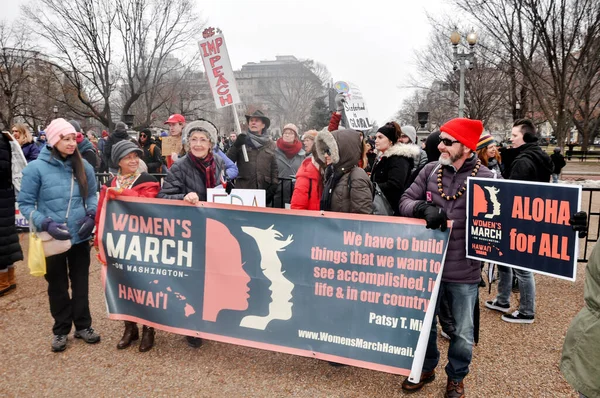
{"x":58,"y":195}
{"x":129,"y":182}
{"x":192,"y":175}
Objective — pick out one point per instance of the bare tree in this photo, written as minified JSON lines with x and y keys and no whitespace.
{"x":550,"y":42}
{"x":114,"y":52}
{"x":17,"y":61}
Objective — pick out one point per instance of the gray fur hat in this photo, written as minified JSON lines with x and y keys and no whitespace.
{"x":201,"y":125}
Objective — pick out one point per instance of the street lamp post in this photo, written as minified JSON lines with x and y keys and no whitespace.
{"x":462,"y":61}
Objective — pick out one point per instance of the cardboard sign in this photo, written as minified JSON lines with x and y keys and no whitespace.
{"x":219,"y":71}
{"x":523,"y":225}
{"x":349,"y":288}
{"x":171,"y":145}
{"x":241,"y":197}
{"x":355,"y":107}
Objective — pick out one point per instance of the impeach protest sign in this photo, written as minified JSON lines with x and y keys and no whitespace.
{"x":523,"y":225}
{"x":348,"y":288}
{"x":219,"y":71}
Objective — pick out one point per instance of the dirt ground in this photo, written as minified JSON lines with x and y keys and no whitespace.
{"x":510,"y":361}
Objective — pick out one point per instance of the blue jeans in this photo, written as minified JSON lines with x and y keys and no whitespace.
{"x":461,"y":298}
{"x":526,"y":289}
{"x":554,"y":178}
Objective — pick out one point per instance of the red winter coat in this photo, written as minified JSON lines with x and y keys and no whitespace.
{"x":145,"y":186}
{"x":309,"y":187}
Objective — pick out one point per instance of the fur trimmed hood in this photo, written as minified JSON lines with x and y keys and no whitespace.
{"x":407,"y":150}
{"x":345,"y":147}
{"x":325,"y":141}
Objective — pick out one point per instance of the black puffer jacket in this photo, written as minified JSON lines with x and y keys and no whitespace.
{"x":115,"y":137}
{"x":392,"y":172}
{"x":184,"y":177}
{"x":10,"y":249}
{"x":531,"y":163}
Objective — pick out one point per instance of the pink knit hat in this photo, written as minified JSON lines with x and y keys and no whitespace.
{"x":57,"y":129}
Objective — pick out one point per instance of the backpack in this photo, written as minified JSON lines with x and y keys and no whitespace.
{"x":98,"y":164}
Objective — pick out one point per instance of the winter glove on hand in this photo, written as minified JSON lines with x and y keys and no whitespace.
{"x":240,"y":140}
{"x":340,"y":98}
{"x":578,"y":222}
{"x":435,"y":217}
{"x":87,"y":225}
{"x":56,"y":230}
{"x":228,"y":186}
{"x":112,"y":192}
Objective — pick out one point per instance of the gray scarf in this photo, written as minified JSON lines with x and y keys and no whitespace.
{"x":257,"y":141}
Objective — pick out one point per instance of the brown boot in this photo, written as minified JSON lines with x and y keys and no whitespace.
{"x":131,"y":334}
{"x":147,"y":339}
{"x":455,"y":389}
{"x":4,"y":284}
{"x":426,"y":377}
{"x":11,"y":278}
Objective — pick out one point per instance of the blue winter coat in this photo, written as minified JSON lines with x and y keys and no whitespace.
{"x":47,"y":184}
{"x":231,"y":169}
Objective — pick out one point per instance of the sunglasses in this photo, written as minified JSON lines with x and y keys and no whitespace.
{"x":447,"y":141}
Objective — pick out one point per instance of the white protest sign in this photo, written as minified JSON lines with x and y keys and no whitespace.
{"x":218,"y":71}
{"x":355,"y":107}
{"x":241,"y":197}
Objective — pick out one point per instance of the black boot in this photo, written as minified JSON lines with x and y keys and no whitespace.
{"x":131,"y":334}
{"x":147,"y":339}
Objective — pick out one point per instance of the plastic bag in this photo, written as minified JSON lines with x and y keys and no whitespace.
{"x":36,"y":259}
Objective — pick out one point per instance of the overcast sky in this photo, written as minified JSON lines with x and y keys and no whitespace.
{"x":370,"y":43}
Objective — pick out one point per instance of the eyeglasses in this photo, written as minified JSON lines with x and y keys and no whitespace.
{"x":447,"y":141}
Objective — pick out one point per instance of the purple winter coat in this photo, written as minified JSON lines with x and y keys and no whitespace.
{"x":31,"y":151}
{"x":457,"y":268}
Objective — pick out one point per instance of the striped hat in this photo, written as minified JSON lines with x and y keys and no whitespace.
{"x":485,"y":140}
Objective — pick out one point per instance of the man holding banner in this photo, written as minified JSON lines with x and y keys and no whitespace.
{"x":438,"y":194}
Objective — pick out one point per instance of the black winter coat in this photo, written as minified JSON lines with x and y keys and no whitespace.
{"x":559,"y":162}
{"x":392,"y":172}
{"x":531,"y":163}
{"x":10,"y":249}
{"x":153,"y":159}
{"x":112,"y":140}
{"x":184,"y":177}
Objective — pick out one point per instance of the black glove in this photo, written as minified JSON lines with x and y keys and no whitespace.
{"x":435,"y":217}
{"x":240,"y":140}
{"x":229,"y":186}
{"x":87,"y":224}
{"x":578,"y":222}
{"x":56,"y":230}
{"x":339,"y":102}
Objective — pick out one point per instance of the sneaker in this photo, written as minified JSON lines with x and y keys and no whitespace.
{"x":517,"y":317}
{"x":194,"y":342}
{"x":59,"y":342}
{"x":494,"y":305}
{"x":88,"y":335}
{"x":426,"y":377}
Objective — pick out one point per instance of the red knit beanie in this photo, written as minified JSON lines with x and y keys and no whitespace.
{"x":466,"y":131}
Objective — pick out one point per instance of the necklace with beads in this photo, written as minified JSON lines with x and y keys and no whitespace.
{"x":462,"y":189}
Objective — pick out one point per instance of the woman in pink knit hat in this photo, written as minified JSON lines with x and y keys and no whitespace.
{"x":58,"y":196}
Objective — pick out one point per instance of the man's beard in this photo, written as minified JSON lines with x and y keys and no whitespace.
{"x":449,"y":161}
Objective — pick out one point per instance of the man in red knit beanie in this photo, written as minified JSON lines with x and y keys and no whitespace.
{"x":438,"y":194}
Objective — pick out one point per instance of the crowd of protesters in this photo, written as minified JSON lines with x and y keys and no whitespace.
{"x":333,"y":169}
